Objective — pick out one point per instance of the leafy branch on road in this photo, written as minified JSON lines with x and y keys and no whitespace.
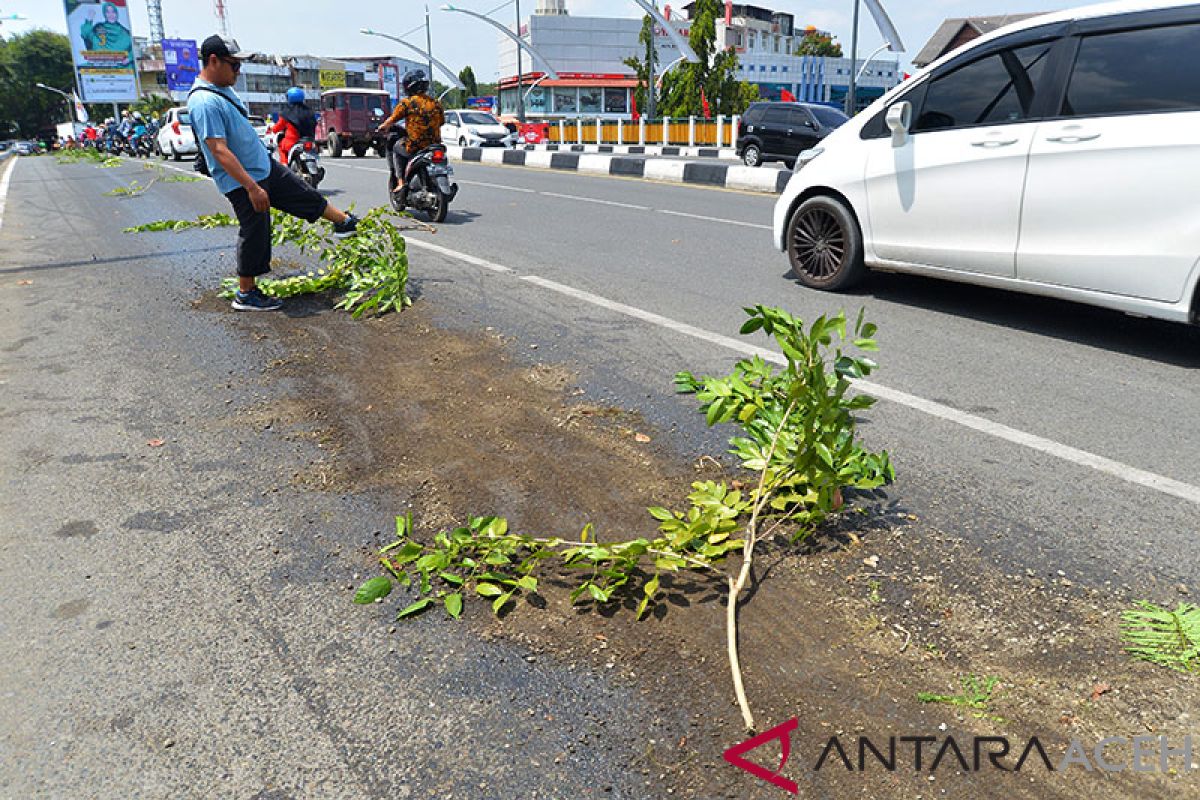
{"x":977,"y":694}
{"x":204,"y":221}
{"x":1163,"y":637}
{"x":797,"y":434}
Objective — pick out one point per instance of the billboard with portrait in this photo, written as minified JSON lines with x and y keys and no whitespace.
{"x":102,"y":49}
{"x":182,"y":61}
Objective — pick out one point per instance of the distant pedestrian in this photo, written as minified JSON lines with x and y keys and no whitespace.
{"x":246,"y":174}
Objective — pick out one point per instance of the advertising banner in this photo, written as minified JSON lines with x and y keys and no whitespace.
{"x":333,"y":79}
{"x":487,"y":103}
{"x":182,"y":60}
{"x":102,"y":49}
{"x":389,"y":80}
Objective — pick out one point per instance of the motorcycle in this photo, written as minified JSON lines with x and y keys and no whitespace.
{"x":304,"y":160}
{"x":143,"y":145}
{"x":427,"y":186}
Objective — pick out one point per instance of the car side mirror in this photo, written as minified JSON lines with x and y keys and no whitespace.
{"x":808,"y":123}
{"x":899,"y":120}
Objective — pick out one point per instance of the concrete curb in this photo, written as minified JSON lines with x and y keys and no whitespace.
{"x":728,"y":176}
{"x":723,"y":153}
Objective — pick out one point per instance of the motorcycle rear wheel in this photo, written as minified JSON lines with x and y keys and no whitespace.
{"x":439,"y":211}
{"x":396,"y":198}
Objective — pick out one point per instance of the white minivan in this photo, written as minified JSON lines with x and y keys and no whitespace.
{"x":1058,"y":156}
{"x":470,"y":128}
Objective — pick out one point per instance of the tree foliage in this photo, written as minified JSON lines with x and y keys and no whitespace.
{"x":713,"y":77}
{"x":467,"y":78}
{"x":816,"y":43}
{"x":154,"y":104}
{"x":39,"y":56}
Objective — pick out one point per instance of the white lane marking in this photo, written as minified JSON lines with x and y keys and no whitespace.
{"x":8,"y":171}
{"x":1116,"y":469}
{"x":715,"y":219}
{"x":354,"y":166}
{"x":445,"y":251}
{"x":500,"y":186}
{"x":594,"y":200}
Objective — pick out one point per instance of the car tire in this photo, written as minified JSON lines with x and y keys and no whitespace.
{"x":462,"y":141}
{"x":752,"y":156}
{"x":175,"y":154}
{"x":360,"y":150}
{"x":824,"y":245}
{"x":335,"y":145}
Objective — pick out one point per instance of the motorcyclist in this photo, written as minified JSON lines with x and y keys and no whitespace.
{"x":139,"y":129}
{"x":296,"y":122}
{"x":423,"y":116}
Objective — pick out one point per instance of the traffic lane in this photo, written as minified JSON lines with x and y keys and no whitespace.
{"x":271,"y":678}
{"x":1092,"y":379}
{"x":748,"y":208}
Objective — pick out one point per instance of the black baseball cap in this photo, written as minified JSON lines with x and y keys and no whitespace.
{"x":225,"y":48}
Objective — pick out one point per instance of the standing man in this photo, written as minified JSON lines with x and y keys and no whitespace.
{"x":245,"y":172}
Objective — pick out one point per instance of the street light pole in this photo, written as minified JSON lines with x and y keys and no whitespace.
{"x":851,"y":104}
{"x":429,"y":45}
{"x":67,"y":97}
{"x":651,"y":57}
{"x":520,"y":69}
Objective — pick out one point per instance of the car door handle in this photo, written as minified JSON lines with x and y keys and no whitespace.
{"x":1072,"y":138}
{"x":990,"y":143}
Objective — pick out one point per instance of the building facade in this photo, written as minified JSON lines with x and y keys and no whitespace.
{"x":589,"y":54}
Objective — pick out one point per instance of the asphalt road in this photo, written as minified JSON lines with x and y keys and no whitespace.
{"x":175,"y":619}
{"x":156,"y":643}
{"x":1099,"y":382}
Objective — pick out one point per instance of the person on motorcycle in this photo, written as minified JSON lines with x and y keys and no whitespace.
{"x":423,"y":116}
{"x":295,"y":123}
{"x":139,"y":131}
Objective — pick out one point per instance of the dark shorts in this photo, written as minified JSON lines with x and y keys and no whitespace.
{"x":289,"y":194}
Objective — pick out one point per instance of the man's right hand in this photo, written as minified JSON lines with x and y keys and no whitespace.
{"x":259,"y":198}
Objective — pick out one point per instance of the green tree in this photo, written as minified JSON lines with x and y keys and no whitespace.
{"x":467,"y":79}
{"x":154,"y":104}
{"x":816,"y":43}
{"x":39,"y":56}
{"x":642,"y":67}
{"x":713,"y":77}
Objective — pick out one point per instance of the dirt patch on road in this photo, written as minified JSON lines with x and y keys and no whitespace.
{"x":841,"y":637}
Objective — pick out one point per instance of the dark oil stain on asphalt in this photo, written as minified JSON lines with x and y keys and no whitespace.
{"x":85,"y":528}
{"x":71,"y":609}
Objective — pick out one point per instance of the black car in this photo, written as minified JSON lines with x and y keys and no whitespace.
{"x":781,"y":131}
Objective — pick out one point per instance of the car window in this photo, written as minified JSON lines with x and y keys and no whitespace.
{"x":1153,"y":69}
{"x":994,"y":90}
{"x":478,"y":118}
{"x":829,"y":117}
{"x":184,"y":119}
{"x":753,"y":114}
{"x":374,"y":101}
{"x":798,"y":118}
{"x":451,"y":118}
{"x":775,"y":116}
{"x":358,"y":102}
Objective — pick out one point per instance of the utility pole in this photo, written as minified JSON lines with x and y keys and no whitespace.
{"x":651,"y":57}
{"x":851,"y":99}
{"x":520,"y":70}
{"x":154,"y":11}
{"x":429,"y":47}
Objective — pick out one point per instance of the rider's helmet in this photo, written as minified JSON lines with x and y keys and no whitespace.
{"x":295,"y":95}
{"x":138,"y":116}
{"x":415,"y":82}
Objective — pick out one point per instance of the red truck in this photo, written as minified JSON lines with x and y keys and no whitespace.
{"x":349,"y":118}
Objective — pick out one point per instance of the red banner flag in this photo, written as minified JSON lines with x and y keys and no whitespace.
{"x":704,"y":104}
{"x":636,"y":115}
{"x":787,"y":96}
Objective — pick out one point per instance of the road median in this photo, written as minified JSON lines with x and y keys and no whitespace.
{"x":667,"y":170}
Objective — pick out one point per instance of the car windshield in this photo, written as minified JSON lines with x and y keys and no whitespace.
{"x":828,"y":117}
{"x":478,"y":118}
{"x":184,"y":118}
{"x":257,"y":120}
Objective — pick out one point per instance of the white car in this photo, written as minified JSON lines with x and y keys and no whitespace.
{"x":1058,"y":156}
{"x":175,"y":137}
{"x":469,"y":128}
{"x":262,"y":126}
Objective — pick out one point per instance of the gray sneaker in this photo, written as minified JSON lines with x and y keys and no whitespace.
{"x":255,"y":300}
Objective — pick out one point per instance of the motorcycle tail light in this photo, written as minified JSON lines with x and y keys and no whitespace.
{"x":308,"y":145}
{"x":438,"y":157}
{"x":175,"y":127}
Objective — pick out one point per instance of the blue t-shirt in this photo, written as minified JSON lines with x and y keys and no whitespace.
{"x":214,"y":118}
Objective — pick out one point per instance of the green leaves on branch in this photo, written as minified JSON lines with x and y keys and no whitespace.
{"x":1167,"y":638}
{"x":798,"y":424}
{"x":370,"y":268}
{"x":204,"y":221}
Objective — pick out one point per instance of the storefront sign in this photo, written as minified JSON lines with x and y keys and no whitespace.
{"x":333,"y":79}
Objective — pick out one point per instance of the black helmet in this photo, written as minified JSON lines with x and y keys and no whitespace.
{"x":415,"y":82}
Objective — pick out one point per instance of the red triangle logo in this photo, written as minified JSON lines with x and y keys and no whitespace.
{"x":781,"y":732}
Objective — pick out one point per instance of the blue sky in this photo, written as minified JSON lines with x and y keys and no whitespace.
{"x":321,"y":27}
